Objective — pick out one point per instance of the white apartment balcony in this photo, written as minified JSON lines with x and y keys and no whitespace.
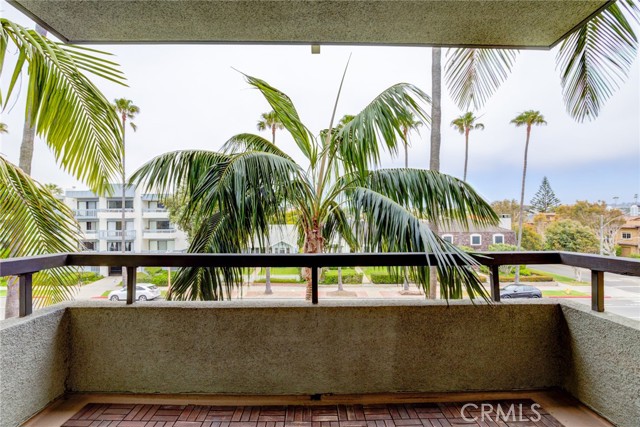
{"x":162,"y":213}
{"x":108,"y":234}
{"x":116,"y":213}
{"x":86,"y":213}
{"x":159,"y":233}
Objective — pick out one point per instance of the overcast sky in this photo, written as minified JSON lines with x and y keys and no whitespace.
{"x":191,"y":98}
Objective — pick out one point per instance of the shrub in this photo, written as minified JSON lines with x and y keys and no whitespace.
{"x":162,"y":279}
{"x":330,"y":277}
{"x":533,"y":278}
{"x":142,"y":278}
{"x":636,"y":256}
{"x":88,"y":277}
{"x":152,"y":271}
{"x":386,"y":278}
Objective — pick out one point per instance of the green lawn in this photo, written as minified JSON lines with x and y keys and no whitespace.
{"x":105,"y":294}
{"x":369,"y":270}
{"x":560,"y":278}
{"x":564,"y":293}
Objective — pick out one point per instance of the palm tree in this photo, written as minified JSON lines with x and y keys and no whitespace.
{"x":240,"y":190}
{"x":77,"y":122}
{"x":269,"y":121}
{"x":409,"y":124}
{"x":127,"y":111}
{"x":528,"y":118}
{"x":4,"y":128}
{"x":465,"y":124}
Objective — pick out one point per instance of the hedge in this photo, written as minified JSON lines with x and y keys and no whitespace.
{"x":89,"y":277}
{"x":527,"y":278}
{"x":386,"y":279}
{"x":331,"y":278}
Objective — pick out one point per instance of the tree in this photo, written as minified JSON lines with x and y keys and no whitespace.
{"x":593,"y":62}
{"x":409,"y":123}
{"x":545,"y":199}
{"x":127,"y":111}
{"x":241,"y":190}
{"x":4,"y":128}
{"x":269,"y":121}
{"x":603,"y":221}
{"x":465,"y":124}
{"x":77,"y":122}
{"x":528,"y":119}
{"x":569,"y":235}
{"x":508,"y":207}
{"x":28,"y":132}
{"x":531,"y":240}
{"x":53,"y":189}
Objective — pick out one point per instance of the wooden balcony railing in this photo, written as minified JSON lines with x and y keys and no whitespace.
{"x":24,"y":268}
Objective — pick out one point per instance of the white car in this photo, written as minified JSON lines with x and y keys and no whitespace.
{"x":144,"y":292}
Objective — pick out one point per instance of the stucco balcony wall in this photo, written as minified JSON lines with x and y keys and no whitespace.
{"x":290,"y":348}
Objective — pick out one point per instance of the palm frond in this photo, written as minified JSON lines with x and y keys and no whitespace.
{"x":169,"y":172}
{"x":389,"y":227}
{"x":288,"y":116}
{"x":380,"y":124}
{"x":69,"y":112}
{"x":472,"y":76}
{"x":596,"y":59}
{"x":250,"y":142}
{"x":34,"y":222}
{"x":434,"y":196}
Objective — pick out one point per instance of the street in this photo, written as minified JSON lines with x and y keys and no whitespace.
{"x":622,"y":293}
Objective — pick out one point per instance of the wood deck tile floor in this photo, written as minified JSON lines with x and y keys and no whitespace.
{"x":523,"y":412}
{"x":556,"y":408}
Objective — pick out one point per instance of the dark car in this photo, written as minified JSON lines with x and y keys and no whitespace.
{"x":520,"y":291}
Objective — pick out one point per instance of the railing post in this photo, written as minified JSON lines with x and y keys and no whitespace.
{"x":131,"y":284}
{"x":495,"y":283}
{"x":597,"y":290}
{"x":25,"y":294}
{"x":314,"y":285}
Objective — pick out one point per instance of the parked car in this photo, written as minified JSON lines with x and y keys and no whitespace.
{"x":520,"y":291}
{"x":144,"y":292}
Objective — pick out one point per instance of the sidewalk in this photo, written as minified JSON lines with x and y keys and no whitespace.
{"x":97,"y":288}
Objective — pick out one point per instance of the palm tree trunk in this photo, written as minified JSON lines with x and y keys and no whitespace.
{"x":312,"y":245}
{"x":466,"y":153}
{"x":12,"y":303}
{"x":123,"y":225}
{"x":436,"y":119}
{"x":267,"y":282}
{"x":340,"y":286}
{"x":521,"y":216}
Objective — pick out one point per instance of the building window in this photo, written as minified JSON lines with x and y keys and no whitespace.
{"x":89,"y":246}
{"x":498,"y":239}
{"x":448,"y":238}
{"x":117,"y":204}
{"x":626,"y":235}
{"x":476,"y":240}
{"x":117,"y":246}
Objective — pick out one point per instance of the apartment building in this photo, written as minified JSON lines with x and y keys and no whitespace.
{"x":147,"y":227}
{"x":628,"y":237}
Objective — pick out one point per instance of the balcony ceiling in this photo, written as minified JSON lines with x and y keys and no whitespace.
{"x":495,"y":23}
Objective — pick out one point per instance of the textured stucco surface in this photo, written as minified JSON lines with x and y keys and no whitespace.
{"x":537,"y":23}
{"x":604,"y":361}
{"x":33,"y":363}
{"x":300,"y":349}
